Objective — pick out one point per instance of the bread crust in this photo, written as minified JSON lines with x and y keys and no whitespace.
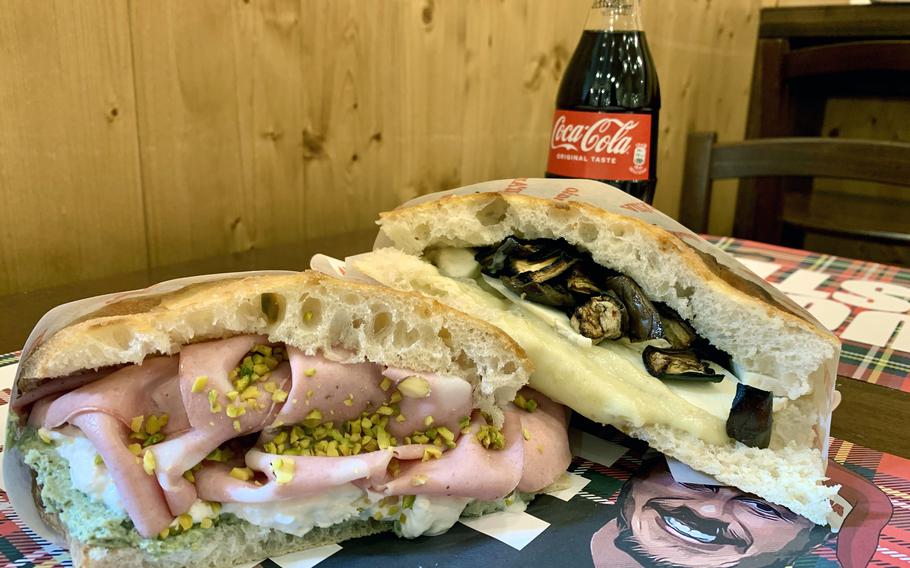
{"x":481,"y":219}
{"x":743,"y":290}
{"x":145,"y":314}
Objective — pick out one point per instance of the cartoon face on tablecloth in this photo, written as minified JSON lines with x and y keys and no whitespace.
{"x":660,"y":522}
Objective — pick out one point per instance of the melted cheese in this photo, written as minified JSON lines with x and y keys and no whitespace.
{"x":607,"y":382}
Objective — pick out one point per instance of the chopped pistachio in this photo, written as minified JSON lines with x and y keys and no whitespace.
{"x":491,"y":438}
{"x":314,"y":417}
{"x":400,"y":418}
{"x":414,"y":387}
{"x":310,"y":372}
{"x":446,"y":434}
{"x":429,"y":453}
{"x":407,"y":502}
{"x":250,"y":392}
{"x":384,"y":410}
{"x":419,"y":480}
{"x":385,"y":383}
{"x":233,"y":411}
{"x":428,"y":421}
{"x":395,"y":398}
{"x":154,"y":424}
{"x":45,"y":435}
{"x":263,"y":350}
{"x":199,"y":384}
{"x":189,"y":476}
{"x":236,"y":425}
{"x":242,"y":473}
{"x":526,"y":434}
{"x":270,"y":387}
{"x":527,"y":404}
{"x":214,"y":406}
{"x":206,"y":523}
{"x":136,"y":423}
{"x":164,"y":534}
{"x":148,"y":462}
{"x":284,"y":470}
{"x":232,"y":395}
{"x":99,"y":460}
{"x":185,"y":521}
{"x":135,"y":449}
{"x":279,"y":396}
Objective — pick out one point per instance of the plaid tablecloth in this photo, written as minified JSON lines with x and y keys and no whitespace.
{"x":865,"y":303}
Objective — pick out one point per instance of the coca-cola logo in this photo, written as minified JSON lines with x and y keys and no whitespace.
{"x":605,"y":136}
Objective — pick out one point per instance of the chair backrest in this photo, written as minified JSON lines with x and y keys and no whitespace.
{"x":865,"y":160}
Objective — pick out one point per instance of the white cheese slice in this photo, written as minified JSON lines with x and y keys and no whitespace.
{"x":714,"y":398}
{"x":608,"y":384}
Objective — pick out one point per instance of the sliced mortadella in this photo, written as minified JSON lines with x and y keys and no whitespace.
{"x":213,"y":360}
{"x":311,"y":474}
{"x":546,"y":449}
{"x":142,"y":497}
{"x":123,"y":394}
{"x":56,"y":386}
{"x":320,"y":384}
{"x":449,"y":400}
{"x":167,"y":400}
{"x":468,"y":470}
{"x":38,"y":416}
{"x":178,"y":454}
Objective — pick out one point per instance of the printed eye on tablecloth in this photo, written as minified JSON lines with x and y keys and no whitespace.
{"x":622,"y":508}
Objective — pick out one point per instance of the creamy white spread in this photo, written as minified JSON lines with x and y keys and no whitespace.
{"x":431,"y":515}
{"x":87,"y":472}
{"x":300,"y":516}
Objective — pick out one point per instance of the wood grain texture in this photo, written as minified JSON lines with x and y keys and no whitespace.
{"x":263,"y":122}
{"x":69,"y":170}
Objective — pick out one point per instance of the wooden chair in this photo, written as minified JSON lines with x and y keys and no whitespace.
{"x":804,"y":57}
{"x":865,"y":160}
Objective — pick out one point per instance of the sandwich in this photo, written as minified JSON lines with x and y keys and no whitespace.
{"x":229,"y":421}
{"x":632,"y":321}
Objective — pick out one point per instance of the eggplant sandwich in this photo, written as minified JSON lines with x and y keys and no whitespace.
{"x":231,"y":421}
{"x":629,"y":325}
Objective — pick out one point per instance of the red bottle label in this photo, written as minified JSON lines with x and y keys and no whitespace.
{"x":600,"y":145}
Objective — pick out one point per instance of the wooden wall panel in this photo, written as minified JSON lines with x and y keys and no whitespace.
{"x":261,"y":122}
{"x":69,"y":174}
{"x":704,"y":53}
{"x":189,"y":128}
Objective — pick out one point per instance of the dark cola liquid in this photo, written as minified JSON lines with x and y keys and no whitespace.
{"x":613,"y":72}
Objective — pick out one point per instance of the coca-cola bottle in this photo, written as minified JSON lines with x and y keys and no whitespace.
{"x":605,"y":125}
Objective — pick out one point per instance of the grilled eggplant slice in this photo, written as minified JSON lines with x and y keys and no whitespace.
{"x":580,"y":282}
{"x":601,"y":317}
{"x":548,"y":294}
{"x":644,"y":320}
{"x":677,"y":331}
{"x":750,"y":416}
{"x":682,"y":364}
{"x":495,"y":259}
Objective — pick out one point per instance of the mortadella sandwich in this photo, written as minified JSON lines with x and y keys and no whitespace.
{"x":632,"y":321}
{"x":225,"y":422}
